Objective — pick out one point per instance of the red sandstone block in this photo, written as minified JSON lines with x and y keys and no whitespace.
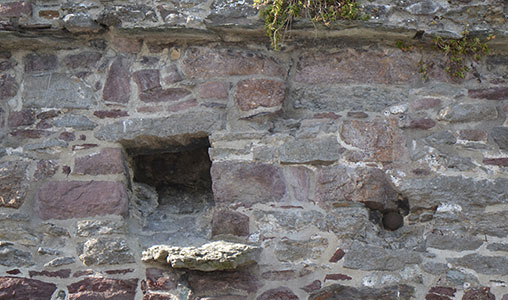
{"x":15,"y":288}
{"x":79,"y":199}
{"x":254,"y":93}
{"x":230,"y":222}
{"x":214,"y":90}
{"x":184,"y":105}
{"x":15,"y":9}
{"x":117,"y":86}
{"x":107,"y":161}
{"x":103,"y":288}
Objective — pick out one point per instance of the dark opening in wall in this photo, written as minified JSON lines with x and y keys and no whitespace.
{"x":181,"y":179}
{"x":172,"y":190}
{"x":179,"y":174}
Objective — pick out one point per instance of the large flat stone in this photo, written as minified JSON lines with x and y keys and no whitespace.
{"x":490,"y":265}
{"x":101,"y":251}
{"x":214,"y":256}
{"x":103,"y":288}
{"x":107,"y":161}
{"x":244,"y":184}
{"x":314,"y":151}
{"x":369,"y":258}
{"x":79,"y":199}
{"x":193,"y":123}
{"x":338,"y":291}
{"x":56,"y":90}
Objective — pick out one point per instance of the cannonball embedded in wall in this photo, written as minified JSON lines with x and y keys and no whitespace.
{"x":392,"y":220}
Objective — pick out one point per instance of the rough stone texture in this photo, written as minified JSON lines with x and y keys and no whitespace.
{"x":11,"y":256}
{"x":117,"y":87}
{"x":88,"y":228}
{"x":197,"y":123}
{"x":500,"y":136}
{"x":103,"y":288}
{"x":223,"y":284}
{"x":311,"y":151}
{"x":378,"y":139}
{"x":255,"y":93}
{"x":497,"y":93}
{"x":15,"y":9}
{"x":160,"y":280}
{"x":281,"y":293}
{"x":100,"y":251}
{"x":230,"y":222}
{"x":74,"y":199}
{"x":209,"y":257}
{"x":14,"y":182}
{"x":288,"y":250}
{"x":453,"y":241}
{"x":37,"y":62}
{"x":56,"y":90}
{"x":244,"y":184}
{"x":107,"y":161}
{"x":356,"y":67}
{"x":365,"y":257}
{"x":478,"y":293}
{"x":8,"y":87}
{"x":337,"y":291}
{"x":209,"y":63}
{"x":17,"y":288}
{"x":465,"y":112}
{"x":491,"y":265}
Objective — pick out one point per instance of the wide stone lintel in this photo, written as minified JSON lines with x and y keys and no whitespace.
{"x":212,"y":256}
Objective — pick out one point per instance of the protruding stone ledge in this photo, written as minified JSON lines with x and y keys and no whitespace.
{"x":213,"y":256}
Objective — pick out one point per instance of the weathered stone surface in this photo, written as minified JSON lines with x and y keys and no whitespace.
{"x":428,"y":192}
{"x":288,"y":250}
{"x":290,"y":220}
{"x":346,"y":97}
{"x":378,"y":139}
{"x":21,"y":118}
{"x":425,"y":103}
{"x":147,"y":79}
{"x":8,"y":87}
{"x":426,"y":7}
{"x":60,"y":261}
{"x":181,"y":106}
{"x":337,"y":291}
{"x":281,"y":293}
{"x":478,"y":293}
{"x":440,"y":293}
{"x":156,"y":296}
{"x":87,"y":228}
{"x":37,"y":62}
{"x":160,"y":280}
{"x":214,"y":90}
{"x":103,"y":288}
{"x":230,"y":222}
{"x":256,"y":93}
{"x":15,"y":9}
{"x":78,"y":199}
{"x":114,"y":113}
{"x":329,"y":277}
{"x":498,"y":247}
{"x":313,"y":286}
{"x":311,"y":151}
{"x":117,"y":87}
{"x":370,"y":186}
{"x":490,"y":224}
{"x":218,"y":284}
{"x":422,"y":124}
{"x":209,"y":63}
{"x":244,"y":184}
{"x":15,"y":228}
{"x":164,"y":95}
{"x":226,"y":12}
{"x":338,"y":255}
{"x":16,"y":288}
{"x":56,"y":90}
{"x":496,"y":93}
{"x":75,"y":121}
{"x":80,"y":22}
{"x":213,"y":256}
{"x":475,"y":135}
{"x":490,"y":265}
{"x":453,"y":241}
{"x":352,"y":66}
{"x":368,"y":258}
{"x":107,"y":161}
{"x":500,"y":136}
{"x":14,"y":183}
{"x":14,"y":257}
{"x":466,"y":112}
{"x":100,"y":251}
{"x":197,"y":123}
{"x":85,"y":60}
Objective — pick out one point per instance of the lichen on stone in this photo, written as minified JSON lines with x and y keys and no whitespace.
{"x":214,"y":256}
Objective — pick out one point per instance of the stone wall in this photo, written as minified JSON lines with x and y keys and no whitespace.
{"x":127,"y":124}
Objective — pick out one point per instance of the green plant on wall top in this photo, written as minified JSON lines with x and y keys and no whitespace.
{"x":460,"y":52}
{"x":279,"y":14}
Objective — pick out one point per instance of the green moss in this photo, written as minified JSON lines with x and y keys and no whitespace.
{"x":279,"y":14}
